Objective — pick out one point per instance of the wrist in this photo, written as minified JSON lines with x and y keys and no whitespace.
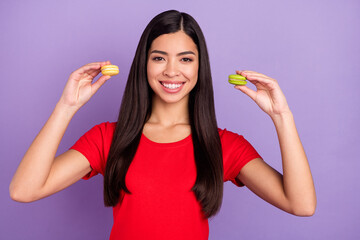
{"x":65,"y":110}
{"x":282,"y":117}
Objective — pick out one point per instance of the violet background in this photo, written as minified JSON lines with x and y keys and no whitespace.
{"x":311,"y":47}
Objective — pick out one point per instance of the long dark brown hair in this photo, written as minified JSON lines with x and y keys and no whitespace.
{"x":135,"y":110}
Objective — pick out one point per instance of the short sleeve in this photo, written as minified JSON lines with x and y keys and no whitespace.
{"x":95,"y":146}
{"x":237,"y":152}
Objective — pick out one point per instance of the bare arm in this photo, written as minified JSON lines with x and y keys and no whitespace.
{"x":40,"y":174}
{"x":293,"y":191}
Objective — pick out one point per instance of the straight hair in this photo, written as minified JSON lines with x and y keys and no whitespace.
{"x":135,"y":110}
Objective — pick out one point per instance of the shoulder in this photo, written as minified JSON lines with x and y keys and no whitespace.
{"x":237,"y":152}
{"x":104,"y":128}
{"x":109,"y":126}
{"x":227,"y":137}
{"x":235,"y":146}
{"x":102,"y":132}
{"x":233,"y":142}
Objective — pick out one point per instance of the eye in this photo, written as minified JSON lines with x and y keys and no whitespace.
{"x":157,"y":58}
{"x":186,"y":59}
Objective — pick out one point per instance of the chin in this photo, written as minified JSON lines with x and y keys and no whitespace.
{"x":172,"y":99}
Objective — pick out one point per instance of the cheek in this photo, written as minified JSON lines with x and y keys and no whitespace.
{"x":153,"y":70}
{"x":149,"y":69}
{"x":192,"y":72}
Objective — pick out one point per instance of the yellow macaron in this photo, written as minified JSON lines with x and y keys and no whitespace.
{"x":110,"y":70}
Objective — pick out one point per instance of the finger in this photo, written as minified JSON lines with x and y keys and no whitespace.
{"x":252,"y":73}
{"x":240,"y":72}
{"x":101,"y":63}
{"x":259,"y":78}
{"x":105,"y":63}
{"x":243,"y":72}
{"x":93,"y":69}
{"x":94,"y":73}
{"x":251,"y":93}
{"x":97,"y":71}
{"x":86,"y":69}
{"x":96,"y":85}
{"x":246,"y":71}
{"x":91,"y":66}
{"x":257,"y":75}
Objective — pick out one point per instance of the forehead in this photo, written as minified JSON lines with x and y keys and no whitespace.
{"x":174,"y":42}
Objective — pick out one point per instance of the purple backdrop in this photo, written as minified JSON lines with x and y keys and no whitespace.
{"x":311,"y":47}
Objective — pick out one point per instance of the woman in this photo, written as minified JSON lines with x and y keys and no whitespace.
{"x":165,"y":160}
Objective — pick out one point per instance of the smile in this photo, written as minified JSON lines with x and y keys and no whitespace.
{"x":171,"y":85}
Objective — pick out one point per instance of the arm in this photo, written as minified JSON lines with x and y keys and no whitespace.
{"x":293,"y":191}
{"x":39,"y":173}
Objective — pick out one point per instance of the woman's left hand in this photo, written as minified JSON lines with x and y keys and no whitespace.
{"x":294,"y":191}
{"x":268,"y":95}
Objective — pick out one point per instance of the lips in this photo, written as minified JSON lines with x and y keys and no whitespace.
{"x":172,"y":86}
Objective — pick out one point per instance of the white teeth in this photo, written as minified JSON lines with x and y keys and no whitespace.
{"x":171,"y":85}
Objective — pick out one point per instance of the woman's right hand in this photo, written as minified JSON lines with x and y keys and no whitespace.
{"x":79,"y":87}
{"x":46,"y":173}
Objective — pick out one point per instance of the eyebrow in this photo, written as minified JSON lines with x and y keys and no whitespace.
{"x":179,"y":54}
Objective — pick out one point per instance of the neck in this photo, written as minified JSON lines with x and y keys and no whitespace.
{"x":169,"y":114}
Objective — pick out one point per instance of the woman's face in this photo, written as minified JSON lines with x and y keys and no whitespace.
{"x":172,"y":66}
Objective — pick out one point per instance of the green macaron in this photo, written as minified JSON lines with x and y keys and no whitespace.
{"x":237,"y":79}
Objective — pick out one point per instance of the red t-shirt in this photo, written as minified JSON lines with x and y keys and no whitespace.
{"x":161,"y":204}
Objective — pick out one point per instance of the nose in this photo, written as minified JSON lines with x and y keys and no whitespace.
{"x":171,"y":69}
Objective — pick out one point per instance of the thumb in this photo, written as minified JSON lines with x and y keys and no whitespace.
{"x":251,"y":93}
{"x":96,"y":85}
